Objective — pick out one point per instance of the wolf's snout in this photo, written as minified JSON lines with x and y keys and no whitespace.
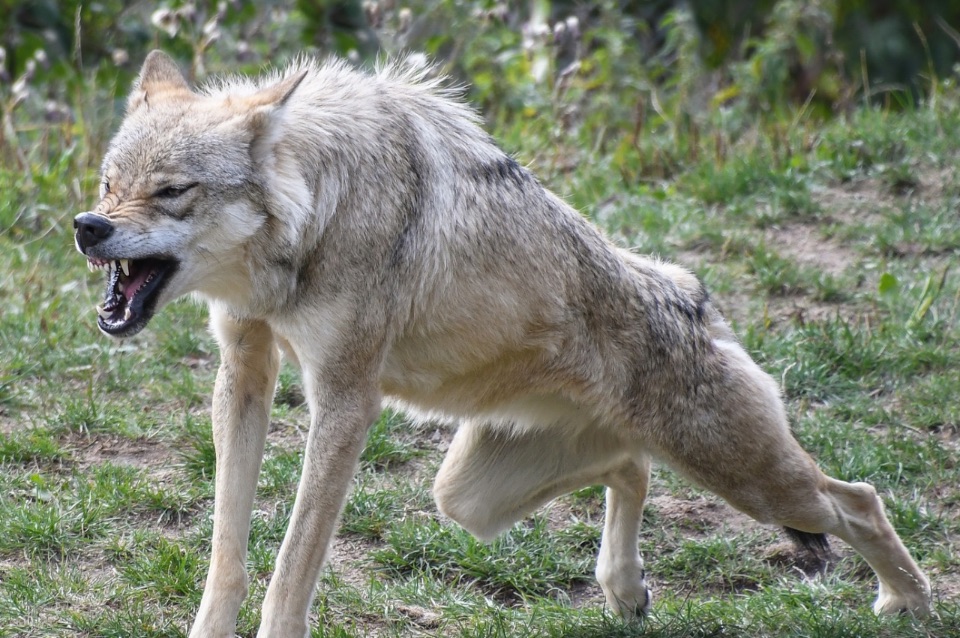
{"x":91,"y":230}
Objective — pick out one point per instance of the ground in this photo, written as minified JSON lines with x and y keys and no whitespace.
{"x":845,"y":295}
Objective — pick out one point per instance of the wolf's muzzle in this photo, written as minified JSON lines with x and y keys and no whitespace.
{"x":91,"y":230}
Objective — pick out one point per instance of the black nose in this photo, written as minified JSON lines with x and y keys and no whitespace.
{"x":91,"y":230}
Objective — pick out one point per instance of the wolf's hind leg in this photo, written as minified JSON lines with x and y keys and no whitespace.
{"x":862,"y":523}
{"x":749,"y":457}
{"x":815,"y":503}
{"x":492,"y":478}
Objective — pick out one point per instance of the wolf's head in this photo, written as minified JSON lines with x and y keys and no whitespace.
{"x":180,"y":194}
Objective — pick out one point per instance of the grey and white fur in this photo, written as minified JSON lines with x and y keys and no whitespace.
{"x":365,"y":226}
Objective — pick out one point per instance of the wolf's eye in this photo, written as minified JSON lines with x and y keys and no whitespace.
{"x":104,"y":188}
{"x":173,"y":191}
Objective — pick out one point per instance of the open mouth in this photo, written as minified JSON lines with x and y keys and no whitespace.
{"x":133,"y":286}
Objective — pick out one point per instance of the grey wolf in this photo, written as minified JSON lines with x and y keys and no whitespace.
{"x":367,"y":228}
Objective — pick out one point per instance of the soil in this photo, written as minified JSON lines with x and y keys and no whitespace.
{"x":695,"y":517}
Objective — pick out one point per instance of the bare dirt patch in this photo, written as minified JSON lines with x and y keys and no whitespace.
{"x":141,"y":453}
{"x":938,"y":183}
{"x":699,"y":515}
{"x":806,"y":245}
{"x":349,"y":559}
{"x":852,"y":202}
{"x":820,"y":248}
{"x":8,"y":424}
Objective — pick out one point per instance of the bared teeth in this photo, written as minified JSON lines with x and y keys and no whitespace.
{"x":110,"y":266}
{"x":102,"y":312}
{"x":127,"y":314}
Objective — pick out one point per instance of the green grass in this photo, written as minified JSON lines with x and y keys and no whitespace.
{"x":107,"y":460}
{"x":529,"y":560}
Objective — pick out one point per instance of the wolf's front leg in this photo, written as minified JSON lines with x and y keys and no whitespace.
{"x":241,"y":413}
{"x":619,"y":565}
{"x":340,"y":420}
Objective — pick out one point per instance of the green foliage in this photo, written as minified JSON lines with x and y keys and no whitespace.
{"x":719,"y":562}
{"x":374,"y":507}
{"x":528,"y":560}
{"x":196,"y":448}
{"x":169,"y":570}
{"x":280,"y":472}
{"x":289,"y":391}
{"x":31,"y":446}
{"x":385,"y":445}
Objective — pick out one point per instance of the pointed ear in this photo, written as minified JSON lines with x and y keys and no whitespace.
{"x":159,"y":74}
{"x":255,"y":110}
{"x":277,"y":94}
{"x":160,"y":69}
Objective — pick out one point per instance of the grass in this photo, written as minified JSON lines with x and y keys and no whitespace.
{"x":829,"y":245}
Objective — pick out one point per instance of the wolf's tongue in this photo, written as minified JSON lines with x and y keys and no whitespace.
{"x":136,"y":281}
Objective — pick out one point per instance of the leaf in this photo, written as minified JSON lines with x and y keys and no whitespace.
{"x":725,"y":95}
{"x":888,"y":284}
{"x":931,"y":292}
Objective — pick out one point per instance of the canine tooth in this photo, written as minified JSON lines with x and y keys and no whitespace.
{"x":127,"y":314}
{"x":125,"y":266}
{"x":90,"y":266}
{"x":103,"y":313}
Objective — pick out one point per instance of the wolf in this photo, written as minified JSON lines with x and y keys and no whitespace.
{"x":363,"y":225}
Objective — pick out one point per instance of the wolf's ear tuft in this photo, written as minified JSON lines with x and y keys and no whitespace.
{"x":278,"y":93}
{"x":255,"y":110}
{"x":159,"y":73}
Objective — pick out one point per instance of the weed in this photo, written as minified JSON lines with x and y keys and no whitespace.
{"x":196,"y":447}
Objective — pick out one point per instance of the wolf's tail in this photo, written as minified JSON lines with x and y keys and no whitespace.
{"x":816,"y":544}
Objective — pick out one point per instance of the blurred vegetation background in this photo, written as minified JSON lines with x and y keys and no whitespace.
{"x":656,"y":82}
{"x":826,"y":52}
{"x":648,"y":90}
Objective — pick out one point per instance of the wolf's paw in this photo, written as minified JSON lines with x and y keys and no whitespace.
{"x":627,"y":594}
{"x":631,"y":608}
{"x":916,"y":602}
